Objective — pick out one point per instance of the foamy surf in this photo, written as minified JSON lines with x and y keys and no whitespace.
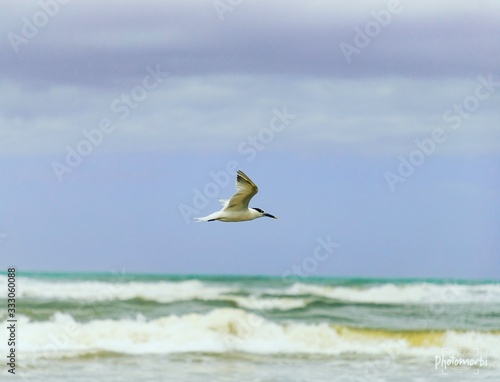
{"x":283,"y":296}
{"x":139,"y":327}
{"x":234,"y":330}
{"x":92,"y":291}
{"x":402,"y":294}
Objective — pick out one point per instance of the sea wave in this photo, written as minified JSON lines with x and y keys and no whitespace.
{"x":96,"y":291}
{"x":234,"y":330}
{"x":161,"y":292}
{"x":279,"y":297}
{"x":388,"y":293}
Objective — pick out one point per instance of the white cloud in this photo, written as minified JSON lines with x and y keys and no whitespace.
{"x":225,"y":78}
{"x":219,"y":112}
{"x":106,"y":44}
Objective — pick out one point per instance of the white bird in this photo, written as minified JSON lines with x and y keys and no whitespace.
{"x":236,"y":209}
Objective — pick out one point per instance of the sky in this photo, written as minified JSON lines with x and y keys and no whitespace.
{"x":370,"y":127}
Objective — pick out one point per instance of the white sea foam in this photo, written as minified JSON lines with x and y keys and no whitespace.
{"x":421,"y":293}
{"x":229,"y":330}
{"x":286,"y":297}
{"x":92,"y":291}
{"x":161,"y":292}
{"x":267,"y":304}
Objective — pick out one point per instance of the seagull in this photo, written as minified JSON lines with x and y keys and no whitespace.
{"x":236,"y":209}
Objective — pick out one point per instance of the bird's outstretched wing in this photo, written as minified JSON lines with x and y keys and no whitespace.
{"x":245,"y":190}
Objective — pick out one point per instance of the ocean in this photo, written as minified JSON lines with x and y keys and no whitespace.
{"x":129,"y":327}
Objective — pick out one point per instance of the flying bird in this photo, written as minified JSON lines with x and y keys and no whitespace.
{"x":236,"y":209}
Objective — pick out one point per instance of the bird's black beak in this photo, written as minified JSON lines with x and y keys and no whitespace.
{"x":270,"y":216}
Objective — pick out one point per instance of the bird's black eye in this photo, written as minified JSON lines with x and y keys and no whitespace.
{"x":258,"y":209}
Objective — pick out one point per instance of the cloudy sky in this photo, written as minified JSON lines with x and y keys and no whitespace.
{"x":374,"y":125}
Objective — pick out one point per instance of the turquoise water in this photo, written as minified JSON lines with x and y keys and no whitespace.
{"x":128,"y":327}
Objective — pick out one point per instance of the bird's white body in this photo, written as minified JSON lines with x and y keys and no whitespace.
{"x":236,"y":209}
{"x":232,"y":216}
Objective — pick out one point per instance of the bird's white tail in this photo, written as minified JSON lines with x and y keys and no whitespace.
{"x":198,"y":220}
